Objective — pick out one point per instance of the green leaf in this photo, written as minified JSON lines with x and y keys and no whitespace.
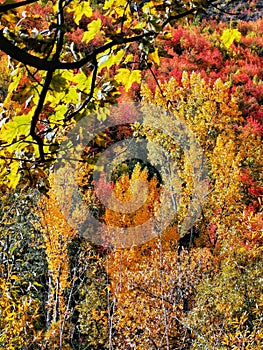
{"x":228,"y":37}
{"x":93,"y":30}
{"x":59,"y":83}
{"x":126,"y":77}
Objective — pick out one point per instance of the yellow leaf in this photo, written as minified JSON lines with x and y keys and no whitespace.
{"x":14,"y":177}
{"x":108,"y":4}
{"x":93,"y":30}
{"x":80,"y":9}
{"x":16,"y":76}
{"x":14,"y":277}
{"x":109,"y":60}
{"x":19,"y":126}
{"x":154,"y":57}
{"x":129,"y":58}
{"x":228,"y":37}
{"x":112,"y":4}
{"x":83,"y":81}
{"x":126,"y":77}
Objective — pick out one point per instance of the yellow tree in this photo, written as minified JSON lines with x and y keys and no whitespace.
{"x":57,"y":236}
{"x":228,"y":304}
{"x":133,"y":204}
{"x":77,"y":301}
{"x":212,"y":114}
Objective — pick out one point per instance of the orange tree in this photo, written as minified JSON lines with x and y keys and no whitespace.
{"x":76,"y":298}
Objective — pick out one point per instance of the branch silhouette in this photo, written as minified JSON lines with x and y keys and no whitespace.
{"x":7,"y":7}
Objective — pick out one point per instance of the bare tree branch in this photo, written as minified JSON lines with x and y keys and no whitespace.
{"x":22,"y":56}
{"x":35,"y":118}
{"x":179,"y":16}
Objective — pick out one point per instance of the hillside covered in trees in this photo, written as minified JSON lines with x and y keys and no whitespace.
{"x":131,"y":158}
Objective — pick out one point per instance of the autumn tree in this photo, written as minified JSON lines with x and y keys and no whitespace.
{"x":76,"y":301}
{"x":94,"y":300}
{"x":154,"y":289}
{"x":212,"y":113}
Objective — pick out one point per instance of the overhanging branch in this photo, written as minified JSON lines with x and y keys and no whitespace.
{"x":12,"y":6}
{"x":22,"y":56}
{"x":35,"y":118}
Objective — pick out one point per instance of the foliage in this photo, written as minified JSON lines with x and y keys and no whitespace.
{"x":228,"y":310}
{"x":197,"y":285}
{"x":154,"y":289}
{"x":224,"y":299}
{"x":18,"y":317}
{"x":22,"y":272}
{"x":94,"y":300}
{"x":70,"y":58}
{"x":56,"y":235}
{"x":200,"y":48}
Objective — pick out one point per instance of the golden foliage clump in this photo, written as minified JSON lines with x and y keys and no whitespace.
{"x":127,"y":191}
{"x":57,"y":235}
{"x":227,"y":303}
{"x":153,"y":289}
{"x":211,"y":112}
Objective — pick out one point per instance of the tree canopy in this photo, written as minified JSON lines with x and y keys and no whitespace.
{"x":71,"y":57}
